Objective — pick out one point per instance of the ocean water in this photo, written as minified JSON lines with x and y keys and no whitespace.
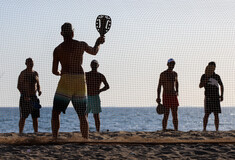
{"x":119,"y":119}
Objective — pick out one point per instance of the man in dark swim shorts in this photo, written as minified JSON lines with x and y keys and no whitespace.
{"x":211,"y":82}
{"x":28,"y":85}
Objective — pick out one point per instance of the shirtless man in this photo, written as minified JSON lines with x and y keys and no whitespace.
{"x":28,"y":85}
{"x":94,"y":80}
{"x":72,"y":84}
{"x":169,"y":80}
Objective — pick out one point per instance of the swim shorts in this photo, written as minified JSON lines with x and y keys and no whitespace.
{"x":212,"y":105}
{"x":71,"y":88}
{"x":93,"y":105}
{"x":170,"y":101}
{"x":26,"y":107}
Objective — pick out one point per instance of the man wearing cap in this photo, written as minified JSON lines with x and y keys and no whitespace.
{"x":211,"y":82}
{"x":94,"y":80}
{"x":169,"y":80}
{"x":28,"y":85}
{"x":72,"y":83}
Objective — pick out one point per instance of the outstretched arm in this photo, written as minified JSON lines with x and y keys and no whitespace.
{"x":94,"y":50}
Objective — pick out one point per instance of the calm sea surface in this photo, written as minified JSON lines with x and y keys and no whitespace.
{"x":119,"y":119}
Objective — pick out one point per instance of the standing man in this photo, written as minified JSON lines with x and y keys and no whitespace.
{"x":72,"y":84}
{"x":169,"y":80}
{"x":211,"y":81}
{"x":28,"y":85}
{"x":94,"y":80}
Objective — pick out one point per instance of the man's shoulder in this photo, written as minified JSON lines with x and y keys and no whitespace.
{"x":35,"y":72}
{"x":23,"y":72}
{"x":167,"y":72}
{"x":216,"y":76}
{"x":79,"y":42}
{"x":88,"y":73}
{"x":203,"y":75}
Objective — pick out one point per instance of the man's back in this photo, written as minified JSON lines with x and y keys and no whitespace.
{"x":70,"y":55}
{"x":94,"y":80}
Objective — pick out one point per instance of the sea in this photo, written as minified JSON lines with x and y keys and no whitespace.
{"x":113,"y":119}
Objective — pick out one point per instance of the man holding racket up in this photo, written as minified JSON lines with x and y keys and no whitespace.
{"x":72,"y":84}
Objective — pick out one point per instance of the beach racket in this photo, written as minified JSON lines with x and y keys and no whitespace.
{"x":160,"y":109}
{"x":209,"y":70}
{"x":103,"y":24}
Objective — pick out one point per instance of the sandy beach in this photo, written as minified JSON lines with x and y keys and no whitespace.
{"x":120,"y":145}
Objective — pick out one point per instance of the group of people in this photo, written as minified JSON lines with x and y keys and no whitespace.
{"x":210,"y":81}
{"x":75,"y":85}
{"x":83,"y":89}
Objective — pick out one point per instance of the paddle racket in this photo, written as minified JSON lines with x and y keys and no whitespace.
{"x":103,"y":24}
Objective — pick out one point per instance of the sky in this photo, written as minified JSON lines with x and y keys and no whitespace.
{"x":143,"y":36}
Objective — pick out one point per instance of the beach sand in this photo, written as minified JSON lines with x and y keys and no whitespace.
{"x":120,"y":145}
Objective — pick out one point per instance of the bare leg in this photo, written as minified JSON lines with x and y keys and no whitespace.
{"x":55,"y":123}
{"x":84,"y":127}
{"x":97,"y":122}
{"x":35,"y":124}
{"x":21,"y":125}
{"x":216,"y":121}
{"x":174,"y":112}
{"x":205,"y":121}
{"x":165,"y":119}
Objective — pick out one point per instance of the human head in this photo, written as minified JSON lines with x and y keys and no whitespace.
{"x":67,"y":30}
{"x":212,"y":64}
{"x":171,"y":63}
{"x":94,"y":64}
{"x":29,"y":63}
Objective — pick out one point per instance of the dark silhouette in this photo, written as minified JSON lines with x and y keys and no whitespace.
{"x":94,"y":80}
{"x":72,"y":86}
{"x":169,"y":80}
{"x":28,"y":85}
{"x":211,"y":81}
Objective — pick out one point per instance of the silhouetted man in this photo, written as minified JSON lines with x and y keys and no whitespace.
{"x":169,"y":80}
{"x":211,"y":82}
{"x":94,"y":80}
{"x":28,"y":85}
{"x":72,"y":85}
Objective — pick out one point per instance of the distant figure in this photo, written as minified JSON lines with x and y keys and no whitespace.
{"x":72,"y":84}
{"x":169,"y":80}
{"x":211,"y":81}
{"x":94,"y":80}
{"x":28,"y":85}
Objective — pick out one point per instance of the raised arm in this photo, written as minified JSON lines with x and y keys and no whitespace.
{"x":203,"y":81}
{"x":55,"y":64}
{"x":94,"y":50}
